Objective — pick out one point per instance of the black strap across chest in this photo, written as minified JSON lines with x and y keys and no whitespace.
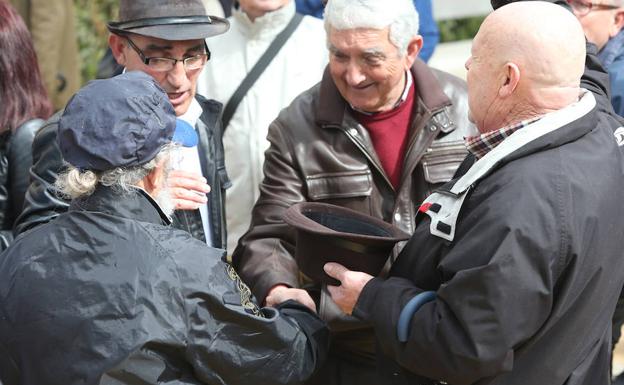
{"x":258,"y":69}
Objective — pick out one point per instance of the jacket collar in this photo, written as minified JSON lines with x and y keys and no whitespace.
{"x":612,"y":50}
{"x":137,"y":205}
{"x":332,"y":106}
{"x":552,"y":130}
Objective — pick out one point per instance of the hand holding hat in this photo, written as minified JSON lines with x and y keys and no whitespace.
{"x":351,"y":285}
{"x":330,"y":233}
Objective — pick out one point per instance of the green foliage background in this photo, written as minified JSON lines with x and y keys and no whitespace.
{"x":92,"y":16}
{"x":459,"y":29}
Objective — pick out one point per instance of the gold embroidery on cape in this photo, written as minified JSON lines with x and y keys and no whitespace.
{"x":245,"y":292}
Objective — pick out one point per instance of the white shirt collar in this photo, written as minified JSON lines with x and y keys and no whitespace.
{"x":193,"y":113}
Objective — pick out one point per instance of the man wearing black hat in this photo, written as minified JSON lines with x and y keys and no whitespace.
{"x":109,"y":293}
{"x":164,"y":39}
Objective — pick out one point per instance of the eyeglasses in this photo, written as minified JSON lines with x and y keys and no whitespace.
{"x":164,"y":64}
{"x":583,"y":7}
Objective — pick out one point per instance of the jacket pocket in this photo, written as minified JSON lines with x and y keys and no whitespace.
{"x":442,"y":160}
{"x":346,"y":184}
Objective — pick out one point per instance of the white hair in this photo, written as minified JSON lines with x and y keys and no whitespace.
{"x":75,"y":183}
{"x":400,"y":15}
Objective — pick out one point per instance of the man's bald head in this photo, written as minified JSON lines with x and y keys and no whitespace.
{"x":544,"y":39}
{"x":533,"y":55}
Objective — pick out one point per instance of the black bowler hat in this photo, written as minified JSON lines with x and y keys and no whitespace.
{"x":123,"y":121}
{"x":329,"y":233}
{"x":167,"y":19}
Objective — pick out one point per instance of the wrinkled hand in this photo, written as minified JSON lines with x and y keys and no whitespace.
{"x":282,"y":293}
{"x":188,"y":189}
{"x":352,"y":283}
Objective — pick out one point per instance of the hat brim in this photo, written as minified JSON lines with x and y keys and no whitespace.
{"x":364,"y":228}
{"x":329,"y":233}
{"x":175,"y":29}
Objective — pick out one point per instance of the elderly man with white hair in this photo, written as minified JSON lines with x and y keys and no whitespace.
{"x":514,"y":270}
{"x":377,"y":135}
{"x":110,"y":293}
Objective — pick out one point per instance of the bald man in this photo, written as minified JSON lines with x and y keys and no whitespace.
{"x":513,"y":272}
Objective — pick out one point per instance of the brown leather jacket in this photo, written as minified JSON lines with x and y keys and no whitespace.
{"x":320,"y":153}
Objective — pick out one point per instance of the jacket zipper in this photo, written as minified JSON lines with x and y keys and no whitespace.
{"x":363,"y":148}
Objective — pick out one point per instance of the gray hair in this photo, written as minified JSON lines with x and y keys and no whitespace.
{"x":400,"y":15}
{"x":75,"y":183}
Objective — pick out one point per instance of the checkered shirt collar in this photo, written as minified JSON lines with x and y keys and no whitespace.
{"x":480,"y":145}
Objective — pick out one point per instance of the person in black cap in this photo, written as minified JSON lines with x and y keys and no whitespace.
{"x":164,"y":39}
{"x":109,"y":293}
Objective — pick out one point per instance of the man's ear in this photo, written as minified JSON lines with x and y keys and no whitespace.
{"x":413,"y":48}
{"x":618,"y":22}
{"x":155,"y":180}
{"x":117,"y":45}
{"x":510,"y":79}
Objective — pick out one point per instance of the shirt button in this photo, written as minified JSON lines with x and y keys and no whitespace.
{"x":353,"y":131}
{"x":397,"y":217}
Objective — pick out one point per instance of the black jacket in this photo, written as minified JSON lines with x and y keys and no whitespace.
{"x":42,"y":204}
{"x":528,"y":282}
{"x":108,"y":293}
{"x":15,"y":162}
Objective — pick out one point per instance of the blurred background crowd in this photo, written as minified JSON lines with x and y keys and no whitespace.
{"x":86,"y":34}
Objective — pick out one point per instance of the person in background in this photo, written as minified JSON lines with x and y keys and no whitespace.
{"x":518,"y":260}
{"x":603,"y":23}
{"x":297,"y":66}
{"x":428,"y":27}
{"x":166,"y":39}
{"x":227,"y":6}
{"x":109,"y":293}
{"x":376,"y":135}
{"x":53,"y":27}
{"x":214,"y":8}
{"x":24,"y":105}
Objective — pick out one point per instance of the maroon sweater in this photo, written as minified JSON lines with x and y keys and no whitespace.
{"x":389,"y":131}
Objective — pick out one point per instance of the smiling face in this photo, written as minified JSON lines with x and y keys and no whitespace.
{"x":367,"y":68}
{"x":179,"y":83}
